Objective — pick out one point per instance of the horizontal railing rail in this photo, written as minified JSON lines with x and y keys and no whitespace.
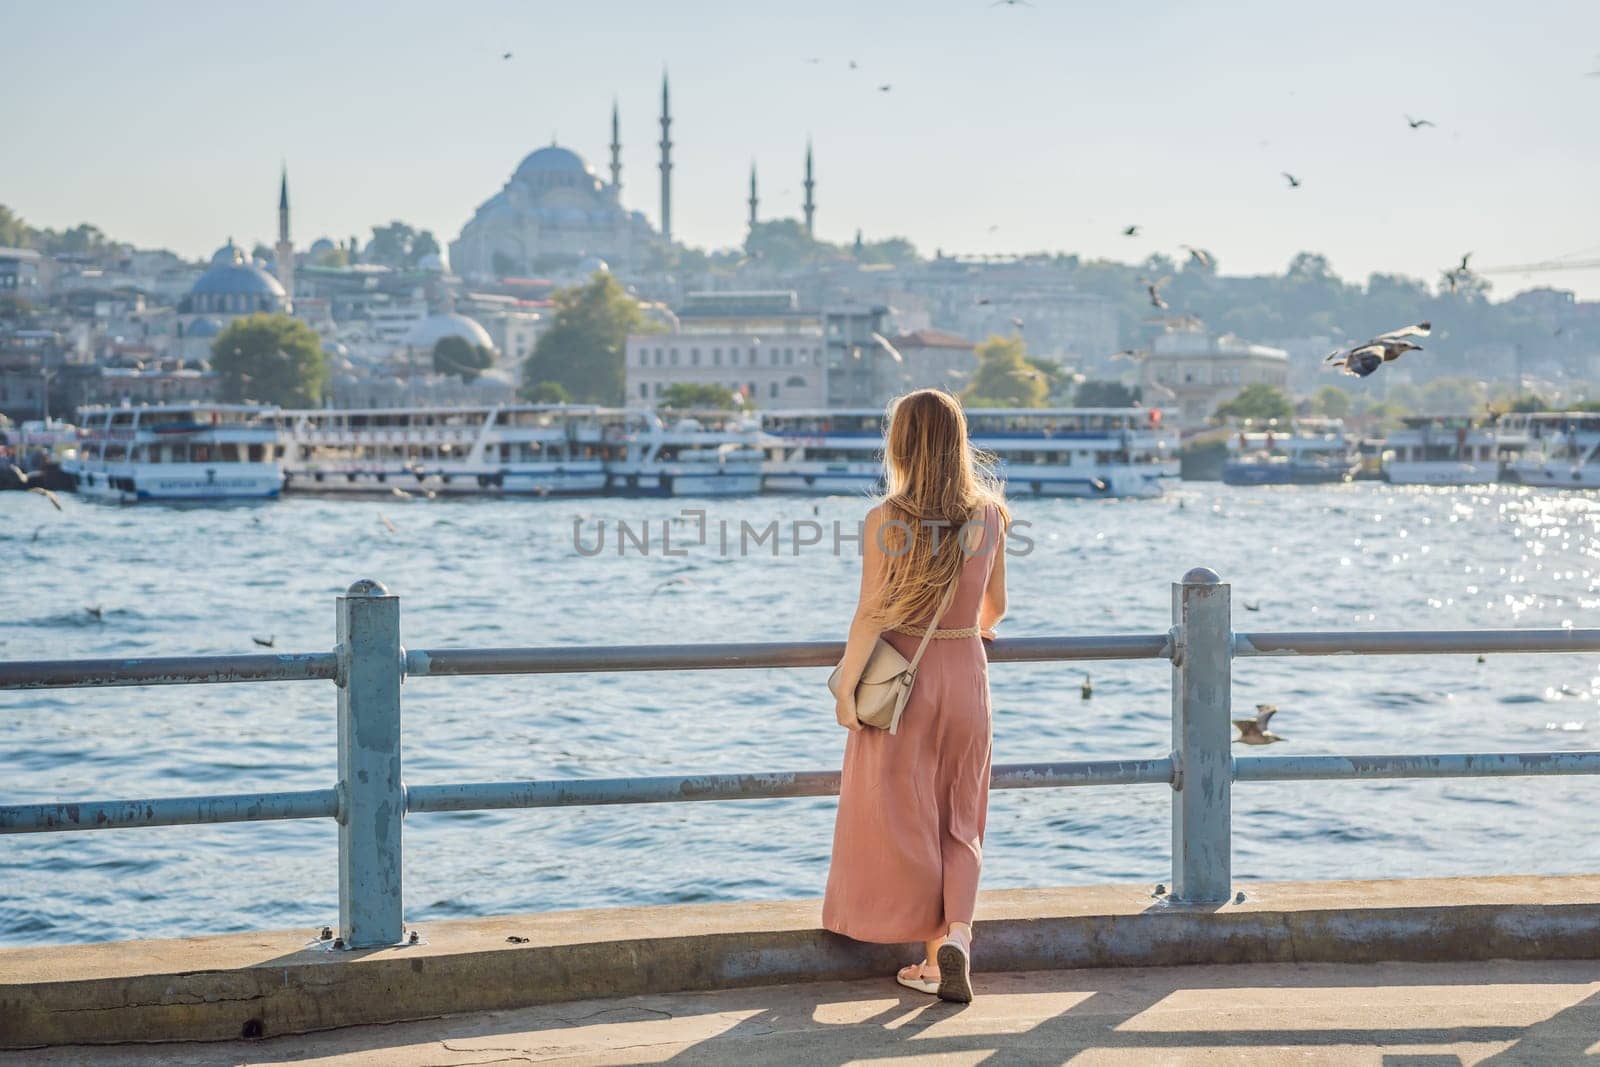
{"x":370,"y":798}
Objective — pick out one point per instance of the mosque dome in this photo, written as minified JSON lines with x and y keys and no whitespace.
{"x":433,"y":329}
{"x":321,"y":245}
{"x":553,"y":161}
{"x":204,"y":328}
{"x":228,"y":255}
{"x":433,"y":263}
{"x":591,"y":265}
{"x":232,"y":285}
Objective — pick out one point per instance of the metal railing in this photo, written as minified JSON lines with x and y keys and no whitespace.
{"x":370,"y":799}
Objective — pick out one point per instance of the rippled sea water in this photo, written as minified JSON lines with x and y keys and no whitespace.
{"x":174,"y":581}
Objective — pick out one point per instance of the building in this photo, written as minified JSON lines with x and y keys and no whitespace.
{"x":756,"y":344}
{"x":19,"y":272}
{"x":860,"y":367}
{"x":1196,"y":372}
{"x":231,"y":287}
{"x":930,"y":359}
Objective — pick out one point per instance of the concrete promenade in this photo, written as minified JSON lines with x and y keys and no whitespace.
{"x":1392,"y":1014}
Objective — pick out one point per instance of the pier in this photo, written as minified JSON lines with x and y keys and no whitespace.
{"x":372,"y":966}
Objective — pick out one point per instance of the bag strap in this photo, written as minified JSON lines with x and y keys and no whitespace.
{"x":933,"y":623}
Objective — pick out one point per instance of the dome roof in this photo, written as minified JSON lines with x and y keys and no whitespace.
{"x":431,"y":330}
{"x":553,"y":159}
{"x":321,"y":245}
{"x":432,"y":262}
{"x":204,"y":328}
{"x":236,"y":277}
{"x":228,"y":255}
{"x":593,"y":265}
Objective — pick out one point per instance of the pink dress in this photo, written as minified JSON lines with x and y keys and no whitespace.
{"x":908,"y":840}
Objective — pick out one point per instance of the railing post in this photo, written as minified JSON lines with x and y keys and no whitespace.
{"x":371,"y":797}
{"x":1202,"y":861}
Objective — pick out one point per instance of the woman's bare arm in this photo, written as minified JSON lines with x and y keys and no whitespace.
{"x":863,"y":633}
{"x":993,"y":608}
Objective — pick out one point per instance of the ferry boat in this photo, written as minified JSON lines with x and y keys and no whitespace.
{"x":1306,"y":452}
{"x":1442,"y":450}
{"x":1563,"y":449}
{"x":178,"y":452}
{"x":1067,"y":452}
{"x":698,"y":454}
{"x":538,"y":449}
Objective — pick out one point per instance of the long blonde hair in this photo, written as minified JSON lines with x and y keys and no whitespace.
{"x":932,"y":476}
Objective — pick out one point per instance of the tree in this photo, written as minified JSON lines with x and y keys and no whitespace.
{"x":333,"y":257}
{"x":685,"y":395}
{"x":458,"y":356}
{"x":548,"y":393}
{"x":584,"y":347}
{"x":1096,"y":393}
{"x":1331,"y":401}
{"x":1004,"y":378}
{"x":399,"y":245}
{"x":272,"y":359}
{"x":1256,"y":401}
{"x":13,"y":231}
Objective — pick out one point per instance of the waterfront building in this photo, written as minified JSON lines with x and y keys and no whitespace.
{"x":20,"y":272}
{"x":231,"y":287}
{"x":860,"y":369}
{"x":1198,"y":372}
{"x":932,"y":359}
{"x":757,"y":344}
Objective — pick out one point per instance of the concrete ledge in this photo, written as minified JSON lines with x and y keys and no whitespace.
{"x":220,"y":988}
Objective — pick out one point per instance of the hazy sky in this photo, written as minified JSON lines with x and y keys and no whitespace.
{"x":1007,"y":128}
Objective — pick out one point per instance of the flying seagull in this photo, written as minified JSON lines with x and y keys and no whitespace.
{"x":984,"y":301}
{"x":1010,"y":3}
{"x":1367,"y":357}
{"x":1017,"y":322}
{"x":1131,"y":231}
{"x":1199,"y":255}
{"x":1254,"y":731}
{"x":1464,"y":269}
{"x":885,"y":87}
{"x":883,"y":343}
{"x":505,"y":55}
{"x":1127,"y":353}
{"x":1294,"y":183}
{"x":814,"y":59}
{"x":1416,"y":123}
{"x":265,"y":642}
{"x":854,"y":65}
{"x":1154,"y":289}
{"x":47,"y":494}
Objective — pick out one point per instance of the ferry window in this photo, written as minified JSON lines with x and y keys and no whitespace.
{"x":200,"y":454}
{"x":229,"y":452}
{"x":255,"y":453}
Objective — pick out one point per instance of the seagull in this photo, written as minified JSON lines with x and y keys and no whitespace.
{"x":96,"y":612}
{"x":814,"y":59}
{"x":1367,"y":357}
{"x":885,"y":87}
{"x":1017,"y":322}
{"x":994,"y":227}
{"x":386,"y":523}
{"x":1199,"y":255}
{"x":1294,"y":183}
{"x":1127,"y":353}
{"x":265,"y":642}
{"x":1087,"y":688}
{"x":1464,"y":269}
{"x":983,"y":301}
{"x":854,"y":65}
{"x":1011,"y":3}
{"x":1154,"y":289}
{"x":1416,"y":123}
{"x":1131,"y":231}
{"x":1254,"y":731}
{"x":883,"y":343}
{"x":505,"y":55}
{"x":1248,"y":606}
{"x":395,"y":490}
{"x":21,"y":475}
{"x":682,"y":580}
{"x":47,"y":494}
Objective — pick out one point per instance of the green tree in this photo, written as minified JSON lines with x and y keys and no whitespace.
{"x":1331,"y":401}
{"x":1256,"y":401}
{"x":682,"y":396}
{"x":459,"y":356}
{"x":333,"y":257}
{"x":13,"y":231}
{"x":548,"y":393}
{"x":584,"y":347}
{"x":399,"y":245}
{"x":272,"y":359}
{"x":425,"y":244}
{"x":1004,"y":378}
{"x":1099,"y":393}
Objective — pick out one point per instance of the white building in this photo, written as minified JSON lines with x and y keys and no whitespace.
{"x":1196,"y":372}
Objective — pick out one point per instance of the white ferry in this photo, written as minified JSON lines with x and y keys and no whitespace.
{"x":1072,"y":452}
{"x":1305,"y":452}
{"x":1563,"y":449}
{"x":539,"y":449}
{"x":699,"y":454}
{"x":178,"y":452}
{"x":1442,"y":450}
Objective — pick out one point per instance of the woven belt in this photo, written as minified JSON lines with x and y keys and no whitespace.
{"x":939,"y":635}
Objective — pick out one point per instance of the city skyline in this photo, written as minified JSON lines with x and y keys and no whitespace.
{"x":1106,"y":119}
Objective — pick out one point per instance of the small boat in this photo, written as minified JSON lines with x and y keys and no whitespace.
{"x":1562,"y":450}
{"x":1305,"y":452}
{"x":1442,"y":450}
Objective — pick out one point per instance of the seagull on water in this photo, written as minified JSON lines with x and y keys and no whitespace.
{"x":1254,"y":731}
{"x":1087,"y":688}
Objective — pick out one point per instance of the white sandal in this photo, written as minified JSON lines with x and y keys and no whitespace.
{"x":955,"y":972}
{"x":929,"y":986}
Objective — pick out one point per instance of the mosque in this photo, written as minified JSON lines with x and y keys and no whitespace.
{"x":556,"y":213}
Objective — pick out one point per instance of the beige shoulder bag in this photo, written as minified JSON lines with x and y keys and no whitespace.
{"x":886,"y":680}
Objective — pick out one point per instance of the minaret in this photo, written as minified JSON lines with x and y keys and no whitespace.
{"x":811,"y":205}
{"x":754,"y":200}
{"x":285,"y":249}
{"x":666,"y":163}
{"x":616,"y":154}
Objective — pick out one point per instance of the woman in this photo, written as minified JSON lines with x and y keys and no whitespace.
{"x":908,"y":842}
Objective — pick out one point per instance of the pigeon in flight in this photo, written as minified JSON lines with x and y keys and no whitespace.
{"x":1367,"y":357}
{"x":1294,"y":183}
{"x":1254,"y":731}
{"x":1417,"y":123}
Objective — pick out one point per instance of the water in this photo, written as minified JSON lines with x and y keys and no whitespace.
{"x":484,"y":573}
